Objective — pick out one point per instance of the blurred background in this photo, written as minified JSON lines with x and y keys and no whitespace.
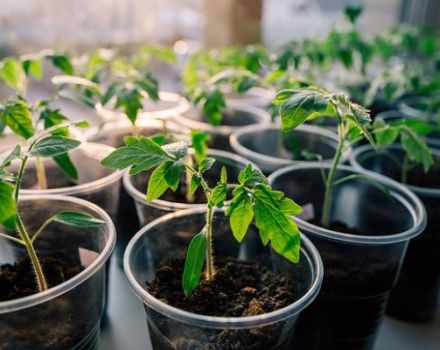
{"x":28,"y":25}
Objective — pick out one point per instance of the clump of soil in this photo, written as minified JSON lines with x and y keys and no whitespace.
{"x":240,"y":288}
{"x":19,"y":280}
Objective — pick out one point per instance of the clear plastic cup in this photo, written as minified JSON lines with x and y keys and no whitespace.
{"x":148,"y":211}
{"x":261,"y":145}
{"x":413,"y":106}
{"x":255,"y":96}
{"x":176,"y":329}
{"x":68,"y":315}
{"x":360,"y":268}
{"x":415,"y":297}
{"x":236,"y":115}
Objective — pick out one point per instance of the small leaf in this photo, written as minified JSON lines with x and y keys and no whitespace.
{"x":200,"y":144}
{"x":130,"y":100}
{"x":218,"y":195}
{"x":385,"y":134}
{"x":64,"y":162}
{"x":223,"y":175}
{"x":77,"y":219}
{"x":150,"y":85}
{"x":352,"y":12}
{"x":195,"y":182}
{"x":15,"y":153}
{"x":206,"y":164}
{"x":53,"y":145}
{"x":240,"y":213}
{"x":250,"y":176}
{"x":7,"y":207}
{"x":33,"y":67}
{"x":195,"y":258}
{"x":12,"y":73}
{"x":15,"y":114}
{"x":176,"y":149}
{"x":62,"y":62}
{"x":165,"y":176}
{"x":416,"y":148}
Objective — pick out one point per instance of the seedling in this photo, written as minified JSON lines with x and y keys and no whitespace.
{"x":298,"y":106}
{"x":410,"y":132}
{"x":49,"y":143}
{"x":252,"y":197}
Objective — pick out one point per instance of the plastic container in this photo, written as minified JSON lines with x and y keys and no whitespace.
{"x":360,"y":267}
{"x":415,"y":106}
{"x":433,"y":138}
{"x":173,"y":328}
{"x":68,"y":315}
{"x":148,"y":211}
{"x":261,"y":143}
{"x":415,"y":297}
{"x":236,"y":115}
{"x":255,"y":96}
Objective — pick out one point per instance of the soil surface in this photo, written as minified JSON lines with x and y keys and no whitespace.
{"x":240,"y":288}
{"x":18,"y":280}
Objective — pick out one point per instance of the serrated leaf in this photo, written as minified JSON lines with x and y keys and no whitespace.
{"x":53,"y":145}
{"x":195,"y":182}
{"x":273,"y":220}
{"x":16,"y":115}
{"x":150,"y":85}
{"x":77,"y":219}
{"x":7,"y":207}
{"x":130,"y":100}
{"x":240,"y":213}
{"x":416,"y":148}
{"x":195,"y":258}
{"x":176,"y":149}
{"x":250,"y":176}
{"x":62,"y":62}
{"x":165,"y":176}
{"x":33,"y":67}
{"x":218,"y":195}
{"x":384,"y":134}
{"x":206,"y":164}
{"x":12,"y":73}
{"x":65,"y":163}
{"x":303,"y":105}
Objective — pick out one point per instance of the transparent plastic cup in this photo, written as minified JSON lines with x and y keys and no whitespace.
{"x":414,"y":106}
{"x":261,"y":144}
{"x":360,"y":268}
{"x":236,"y":115}
{"x":256,"y":96}
{"x":66,"y":316}
{"x":415,"y":297}
{"x":176,"y":329}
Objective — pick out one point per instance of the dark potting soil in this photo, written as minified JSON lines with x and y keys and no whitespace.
{"x":240,"y":288}
{"x":18,"y":280}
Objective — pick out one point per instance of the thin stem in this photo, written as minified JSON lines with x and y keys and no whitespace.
{"x":135,"y":130}
{"x":13,"y":239}
{"x":41,"y":174}
{"x":188,"y":174}
{"x":209,"y":255}
{"x":325,"y":219}
{"x":41,"y":229}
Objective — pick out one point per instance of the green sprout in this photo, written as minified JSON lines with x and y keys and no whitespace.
{"x":252,"y":197}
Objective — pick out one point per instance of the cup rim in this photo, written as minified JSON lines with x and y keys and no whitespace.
{"x":234,"y":141}
{"x":41,"y":297}
{"x":422,"y":191}
{"x":88,"y":187}
{"x":263,"y":117}
{"x":139,"y":196}
{"x":220,"y":322}
{"x":406,"y":197}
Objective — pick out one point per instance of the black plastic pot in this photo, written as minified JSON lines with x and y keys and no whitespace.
{"x":360,"y":268}
{"x":236,"y":115}
{"x":415,"y":297}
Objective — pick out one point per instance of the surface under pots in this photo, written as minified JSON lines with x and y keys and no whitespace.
{"x":236,"y":115}
{"x":175,"y":328}
{"x":362,"y":252}
{"x":415,"y":297}
{"x":270,"y":148}
{"x":68,"y":315}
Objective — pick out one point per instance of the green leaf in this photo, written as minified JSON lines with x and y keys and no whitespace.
{"x":416,"y":148}
{"x":139,"y":153}
{"x":33,"y":67}
{"x":77,"y":219}
{"x":273,"y":219}
{"x":177,"y":150}
{"x":303,"y":105}
{"x":206,"y":164}
{"x":223,"y":175}
{"x":15,"y":153}
{"x":12,"y":74}
{"x":52,"y":117}
{"x":15,"y":114}
{"x":165,"y":176}
{"x":130,"y":100}
{"x":384,"y":133}
{"x":200,"y":144}
{"x":240,"y":213}
{"x":65,"y":163}
{"x":218,"y":195}
{"x":195,"y":258}
{"x":7,"y":207}
{"x":53,"y":145}
{"x":250,"y":176}
{"x":195,"y":182}
{"x":150,"y":85}
{"x":62,"y":62}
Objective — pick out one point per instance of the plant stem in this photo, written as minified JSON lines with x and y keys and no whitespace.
{"x":41,"y":174}
{"x":41,"y":280}
{"x":189,"y":196}
{"x":135,"y":130}
{"x":325,"y":219}
{"x":209,"y":254}
{"x":404,"y":169}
